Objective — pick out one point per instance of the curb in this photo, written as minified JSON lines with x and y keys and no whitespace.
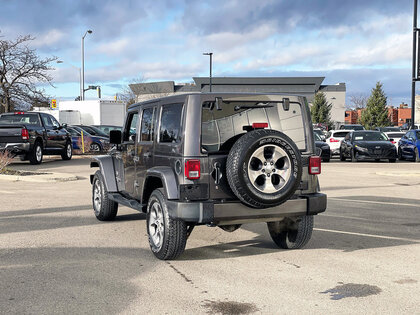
{"x":41,"y":178}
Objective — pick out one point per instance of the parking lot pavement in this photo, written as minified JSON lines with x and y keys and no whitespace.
{"x":55,"y":257}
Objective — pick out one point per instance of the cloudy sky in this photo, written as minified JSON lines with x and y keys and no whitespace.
{"x":357,"y":42}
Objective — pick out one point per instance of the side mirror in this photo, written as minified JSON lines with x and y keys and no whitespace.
{"x":391,"y":140}
{"x":325,"y":140}
{"x":64,"y":125}
{"x":115,"y":137}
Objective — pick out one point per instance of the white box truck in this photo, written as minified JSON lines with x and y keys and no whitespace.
{"x":96,"y":112}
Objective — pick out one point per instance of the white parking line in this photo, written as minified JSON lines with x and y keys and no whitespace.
{"x":344,"y":217}
{"x":6,"y":192}
{"x":377,"y":202}
{"x":370,"y":235}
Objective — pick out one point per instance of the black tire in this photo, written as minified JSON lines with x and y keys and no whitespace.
{"x":68,"y":152}
{"x":377,"y":160}
{"x":392,"y":160}
{"x":239,"y":163}
{"x":292,"y":238}
{"x":400,"y":156}
{"x":353,"y":156}
{"x":325,"y":159}
{"x":95,"y":147}
{"x":342,"y":157}
{"x":416,"y":155}
{"x":35,"y":156}
{"x":104,"y":208}
{"x":167,"y":236}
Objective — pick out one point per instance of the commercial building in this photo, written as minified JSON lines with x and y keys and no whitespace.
{"x":398,"y":116}
{"x":307,"y":86}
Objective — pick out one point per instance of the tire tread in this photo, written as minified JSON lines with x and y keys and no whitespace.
{"x":232,"y":164}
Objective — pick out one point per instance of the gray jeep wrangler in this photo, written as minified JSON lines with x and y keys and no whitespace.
{"x":216,"y":159}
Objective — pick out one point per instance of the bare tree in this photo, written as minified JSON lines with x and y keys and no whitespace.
{"x":127,"y":95}
{"x":21,"y":69}
{"x":358,"y":100}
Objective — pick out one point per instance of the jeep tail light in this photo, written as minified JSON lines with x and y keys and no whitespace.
{"x":334,"y":140}
{"x":192,"y":169}
{"x":25,"y":134}
{"x":314,"y":165}
{"x":259,"y":125}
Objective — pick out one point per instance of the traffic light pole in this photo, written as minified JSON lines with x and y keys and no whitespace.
{"x":415,"y":73}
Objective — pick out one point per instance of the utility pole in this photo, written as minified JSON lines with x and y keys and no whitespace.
{"x":415,"y":73}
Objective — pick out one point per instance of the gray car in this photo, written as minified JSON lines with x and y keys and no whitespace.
{"x":216,"y":159}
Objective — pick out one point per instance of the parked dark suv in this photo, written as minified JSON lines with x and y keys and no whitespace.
{"x":30,"y":135}
{"x":215,"y":159}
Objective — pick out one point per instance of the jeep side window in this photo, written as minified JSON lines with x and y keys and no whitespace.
{"x":170,"y":123}
{"x":147,"y":126}
{"x":130,"y":127}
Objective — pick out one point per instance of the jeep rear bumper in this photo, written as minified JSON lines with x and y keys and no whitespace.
{"x":238,"y":213}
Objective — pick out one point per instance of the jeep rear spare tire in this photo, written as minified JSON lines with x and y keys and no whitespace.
{"x":264,"y":168}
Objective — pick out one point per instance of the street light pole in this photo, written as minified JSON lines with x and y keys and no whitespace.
{"x":211,"y":55}
{"x":82,"y":87}
{"x":415,"y":64}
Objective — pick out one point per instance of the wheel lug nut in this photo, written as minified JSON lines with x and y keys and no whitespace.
{"x":263,"y":170}
{"x":274,"y":170}
{"x":271,"y":163}
{"x":265,"y":163}
{"x":268,"y":174}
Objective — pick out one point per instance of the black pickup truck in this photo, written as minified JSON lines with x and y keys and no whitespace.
{"x":30,"y":135}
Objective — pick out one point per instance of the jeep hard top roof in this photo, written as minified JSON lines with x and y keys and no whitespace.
{"x":221,"y":94}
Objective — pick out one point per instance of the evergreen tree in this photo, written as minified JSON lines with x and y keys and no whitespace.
{"x":376,"y":112}
{"x":321,"y":110}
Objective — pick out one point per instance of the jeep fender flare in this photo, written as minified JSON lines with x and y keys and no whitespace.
{"x":168,"y":178}
{"x":106,"y":166}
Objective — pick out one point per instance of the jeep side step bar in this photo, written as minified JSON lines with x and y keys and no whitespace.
{"x":125,"y":201}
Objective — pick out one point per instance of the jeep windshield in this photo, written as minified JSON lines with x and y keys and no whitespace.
{"x":224,"y":121}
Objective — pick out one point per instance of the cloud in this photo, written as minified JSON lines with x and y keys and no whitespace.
{"x":113,"y":48}
{"x":347,"y":41}
{"x":243,"y":15}
{"x":48,"y":38}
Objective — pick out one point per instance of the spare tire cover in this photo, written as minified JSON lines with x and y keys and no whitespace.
{"x":264,"y":168}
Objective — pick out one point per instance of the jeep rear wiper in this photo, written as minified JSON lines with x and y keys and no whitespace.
{"x":238,"y":107}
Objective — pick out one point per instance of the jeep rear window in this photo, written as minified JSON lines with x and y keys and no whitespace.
{"x":222,"y":126}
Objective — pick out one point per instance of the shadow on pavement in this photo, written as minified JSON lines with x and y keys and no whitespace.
{"x":71,"y":280}
{"x":321,"y":239}
{"x":18,"y":221}
{"x":44,"y":210}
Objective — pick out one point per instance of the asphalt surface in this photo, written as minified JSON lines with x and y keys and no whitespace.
{"x":55,"y":257}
